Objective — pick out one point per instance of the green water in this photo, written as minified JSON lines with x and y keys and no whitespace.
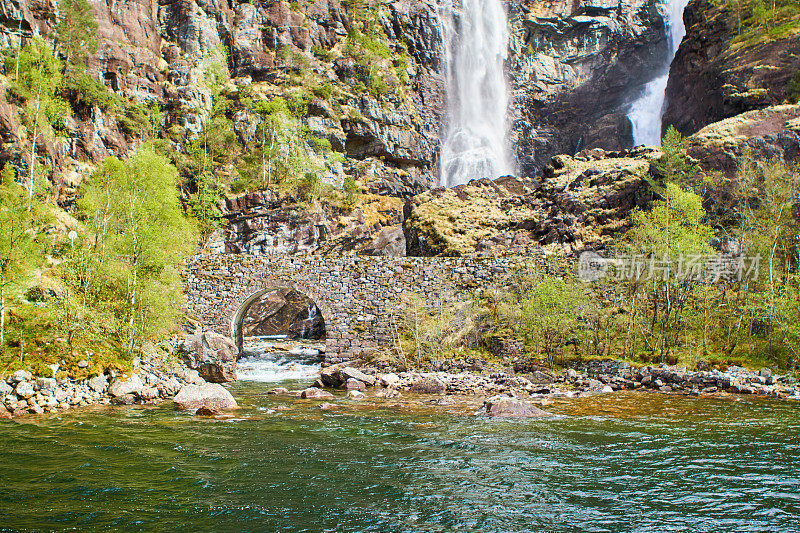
{"x":620,"y":462}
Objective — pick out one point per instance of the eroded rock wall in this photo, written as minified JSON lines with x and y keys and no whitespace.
{"x":718,"y":73}
{"x":161,"y":52}
{"x":574,"y":68}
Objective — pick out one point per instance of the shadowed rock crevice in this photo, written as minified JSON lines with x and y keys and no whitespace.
{"x":284,"y":311}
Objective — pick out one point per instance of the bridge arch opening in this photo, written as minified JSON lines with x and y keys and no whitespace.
{"x":279,"y":312}
{"x":281,"y":334}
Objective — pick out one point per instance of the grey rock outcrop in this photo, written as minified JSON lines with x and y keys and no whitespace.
{"x":212,"y":355}
{"x":314,"y":393}
{"x":428,"y":385}
{"x":122,"y":386}
{"x":212,"y":396}
{"x":503,"y":406}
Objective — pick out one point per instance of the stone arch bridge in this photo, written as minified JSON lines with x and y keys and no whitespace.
{"x":357,"y":295}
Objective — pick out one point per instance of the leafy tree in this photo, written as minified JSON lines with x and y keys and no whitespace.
{"x":38,"y":83}
{"x":673,"y":164}
{"x":204,"y":204}
{"x":770,"y":229}
{"x":551,"y":312}
{"x":671,"y":232}
{"x":350,"y":189}
{"x":19,"y":238}
{"x":75,"y":33}
{"x":139,"y":238}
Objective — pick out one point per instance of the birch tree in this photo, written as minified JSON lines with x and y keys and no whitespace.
{"x":140,"y":237}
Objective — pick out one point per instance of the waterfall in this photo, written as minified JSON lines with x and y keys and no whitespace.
{"x":475,"y":46}
{"x":312,"y":315}
{"x":645,"y":113}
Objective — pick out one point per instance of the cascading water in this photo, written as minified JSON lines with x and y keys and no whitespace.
{"x":645,"y":113}
{"x":308,"y":323}
{"x":263,"y":359}
{"x":475,"y":46}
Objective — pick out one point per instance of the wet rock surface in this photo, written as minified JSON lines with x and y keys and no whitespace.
{"x":584,"y":379}
{"x":211,"y":396}
{"x":506,"y":407}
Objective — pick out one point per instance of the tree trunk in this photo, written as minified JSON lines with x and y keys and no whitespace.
{"x":32,"y":176}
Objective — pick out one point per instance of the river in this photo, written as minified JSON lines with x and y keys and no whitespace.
{"x":609,"y":463}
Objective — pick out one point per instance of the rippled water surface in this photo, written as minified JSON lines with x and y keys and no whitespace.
{"x":620,"y":462}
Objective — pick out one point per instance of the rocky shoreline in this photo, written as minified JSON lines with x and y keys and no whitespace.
{"x":153,"y":382}
{"x":592,"y":377}
{"x":508,"y":395}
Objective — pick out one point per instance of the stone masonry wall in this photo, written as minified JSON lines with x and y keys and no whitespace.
{"x":357,"y":295}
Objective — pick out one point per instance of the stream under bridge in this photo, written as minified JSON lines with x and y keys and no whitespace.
{"x":358,"y":296}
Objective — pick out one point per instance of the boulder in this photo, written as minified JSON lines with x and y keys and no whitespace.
{"x":97,"y":383}
{"x":24,"y":389}
{"x":122,"y":386}
{"x":354,"y":384}
{"x":5,"y":414}
{"x":5,"y":389}
{"x":389,"y":394}
{"x":169,"y":388}
{"x":389,"y":380}
{"x":428,"y":385}
{"x":205,"y":411}
{"x":506,"y":407}
{"x":212,"y":355}
{"x":212,"y":396}
{"x":355,"y":395}
{"x":326,"y":406}
{"x":191,"y":376}
{"x":348,"y":373}
{"x":313,"y":393}
{"x":148,"y":393}
{"x":45,"y":384}
{"x":330,"y":376}
{"x":21,"y":375}
{"x":279,"y":390}
{"x":124,"y":399}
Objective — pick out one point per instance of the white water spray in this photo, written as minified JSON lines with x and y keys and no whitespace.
{"x":475,"y":46}
{"x":646,"y":112}
{"x":262,"y":361}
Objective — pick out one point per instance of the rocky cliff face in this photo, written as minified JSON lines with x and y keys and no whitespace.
{"x":571,"y":66}
{"x":284,"y":311}
{"x":574,"y":68}
{"x":161,"y":52}
{"x":262,"y":223}
{"x":722,"y":69}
